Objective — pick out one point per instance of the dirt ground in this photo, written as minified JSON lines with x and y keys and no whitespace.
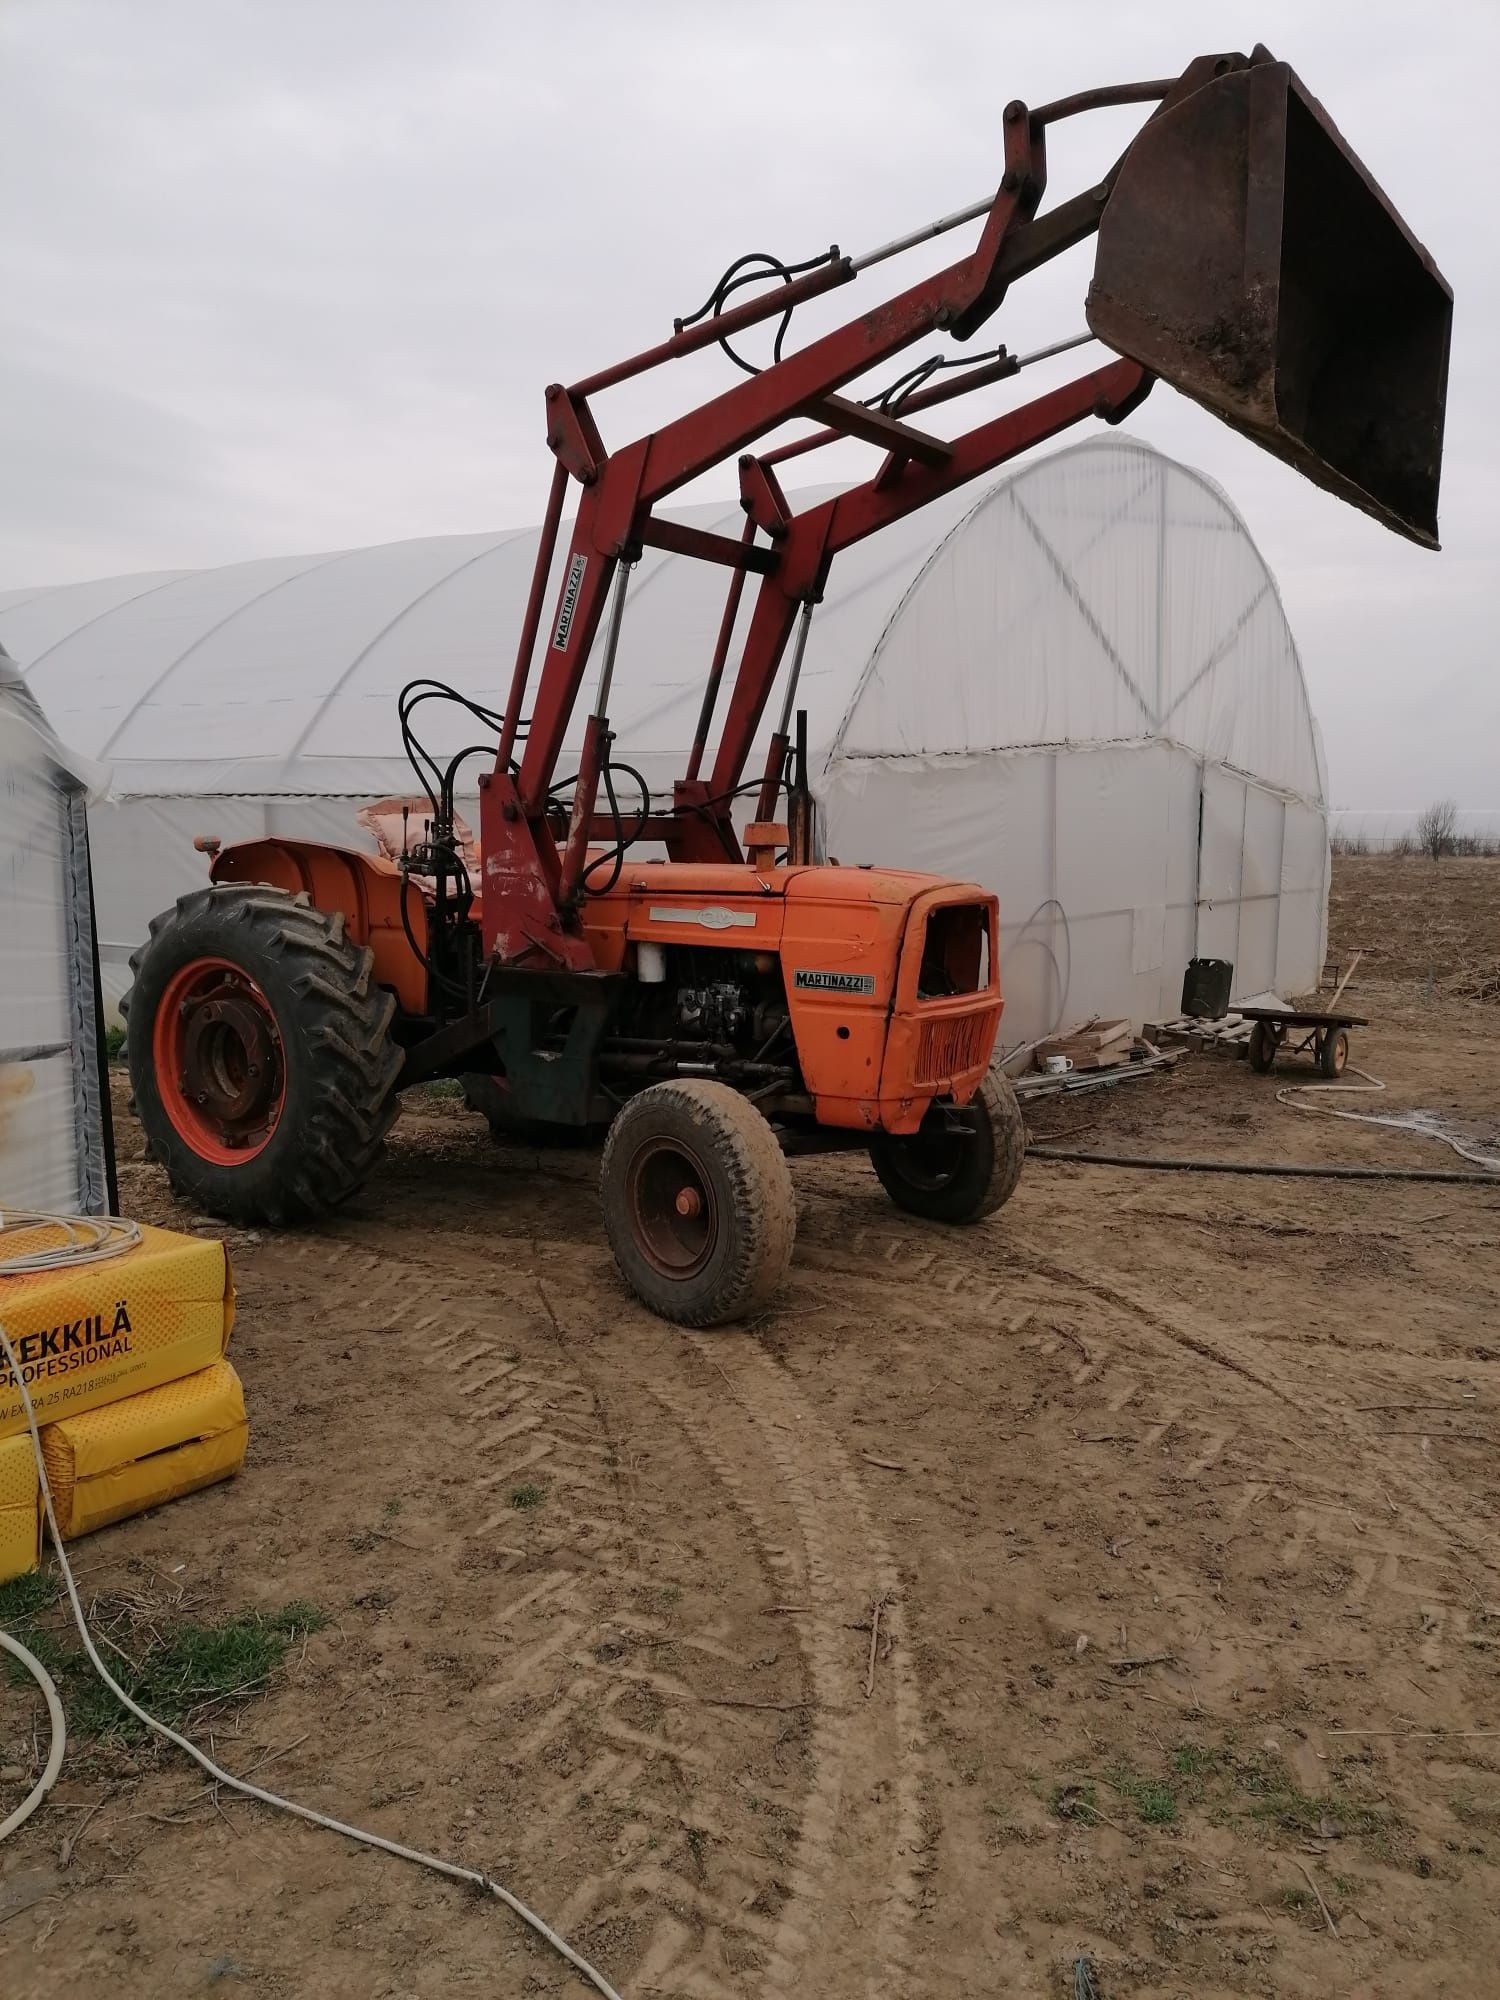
{"x":1177,"y":1494}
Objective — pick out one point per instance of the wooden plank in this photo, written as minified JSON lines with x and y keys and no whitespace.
{"x":1338,"y":991}
{"x":1095,"y":1034}
{"x":1306,"y":1017}
{"x":1111,"y":1039}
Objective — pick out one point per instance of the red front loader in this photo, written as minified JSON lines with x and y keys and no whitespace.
{"x":737,"y":999}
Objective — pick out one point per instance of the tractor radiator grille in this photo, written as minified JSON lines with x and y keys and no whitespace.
{"x":946,"y":1047}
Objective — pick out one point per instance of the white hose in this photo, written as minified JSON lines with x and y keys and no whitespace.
{"x":242,"y":1785}
{"x":59,"y":1727}
{"x":1420,"y":1124}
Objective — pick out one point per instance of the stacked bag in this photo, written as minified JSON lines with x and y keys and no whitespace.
{"x":124,"y":1362}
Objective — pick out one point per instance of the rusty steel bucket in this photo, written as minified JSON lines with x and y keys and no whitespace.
{"x":1247,"y":258}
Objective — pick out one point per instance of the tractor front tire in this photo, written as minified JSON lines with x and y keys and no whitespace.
{"x":261,"y":1061}
{"x":698,"y":1202}
{"x":945,"y":1175}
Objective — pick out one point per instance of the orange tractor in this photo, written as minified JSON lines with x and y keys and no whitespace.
{"x":712,"y":992}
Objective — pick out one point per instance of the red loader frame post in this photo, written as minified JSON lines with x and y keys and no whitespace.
{"x":533,"y":885}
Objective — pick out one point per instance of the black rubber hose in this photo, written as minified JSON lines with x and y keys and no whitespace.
{"x":1275,"y":1169}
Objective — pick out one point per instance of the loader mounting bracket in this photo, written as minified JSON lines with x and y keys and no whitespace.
{"x":515,"y":1032}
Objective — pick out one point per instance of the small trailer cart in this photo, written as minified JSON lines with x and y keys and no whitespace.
{"x":1326,"y":1035}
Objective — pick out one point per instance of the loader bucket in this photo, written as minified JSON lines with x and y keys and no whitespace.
{"x":1247,"y":258}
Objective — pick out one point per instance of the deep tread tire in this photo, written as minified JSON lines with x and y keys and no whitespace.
{"x":1263,"y":1045}
{"x":1333,"y":1057}
{"x":988,"y":1168}
{"x":334,"y":1022}
{"x":752,"y":1189}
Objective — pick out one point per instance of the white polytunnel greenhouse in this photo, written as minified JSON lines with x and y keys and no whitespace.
{"x":55,"y":1141}
{"x":1076,"y":686}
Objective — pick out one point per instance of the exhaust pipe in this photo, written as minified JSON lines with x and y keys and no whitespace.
{"x":1248,"y":258}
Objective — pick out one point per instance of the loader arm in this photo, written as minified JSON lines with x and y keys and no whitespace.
{"x":815,"y":537}
{"x":1245,"y":256}
{"x":717,"y":1008}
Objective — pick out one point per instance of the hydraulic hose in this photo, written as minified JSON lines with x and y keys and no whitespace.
{"x":1419,"y":1124}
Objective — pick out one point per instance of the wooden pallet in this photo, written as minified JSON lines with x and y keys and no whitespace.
{"x":1227,"y":1036}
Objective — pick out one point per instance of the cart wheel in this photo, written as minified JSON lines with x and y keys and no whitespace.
{"x":698,"y":1202}
{"x":1262,"y":1046}
{"x":1333,"y":1055}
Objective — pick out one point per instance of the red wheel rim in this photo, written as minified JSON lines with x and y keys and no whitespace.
{"x":673,"y":1209}
{"x":220,"y":1067}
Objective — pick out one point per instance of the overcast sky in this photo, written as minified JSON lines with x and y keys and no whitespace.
{"x":286,"y":275}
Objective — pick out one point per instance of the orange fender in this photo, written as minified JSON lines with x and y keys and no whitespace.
{"x":365,"y":888}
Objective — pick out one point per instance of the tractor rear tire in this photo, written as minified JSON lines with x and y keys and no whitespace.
{"x":698,"y":1202}
{"x":260,"y":1054}
{"x":948,"y":1176}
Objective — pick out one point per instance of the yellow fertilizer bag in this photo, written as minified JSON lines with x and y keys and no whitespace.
{"x":141,"y":1452}
{"x":94,"y":1333}
{"x":20,"y":1508}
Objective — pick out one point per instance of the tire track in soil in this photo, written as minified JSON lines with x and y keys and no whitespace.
{"x":549,"y":1616}
{"x":1336,"y":1420}
{"x":1413,"y":1563}
{"x":983,"y":1276}
{"x":852,"y":1885}
{"x":1004,"y":1282}
{"x":856,"y":1881}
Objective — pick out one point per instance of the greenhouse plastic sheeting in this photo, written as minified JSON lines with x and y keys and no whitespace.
{"x":1039,"y":683}
{"x":1101,"y":906}
{"x":144,"y":858}
{"x":1106,"y":595}
{"x":51,"y":1117}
